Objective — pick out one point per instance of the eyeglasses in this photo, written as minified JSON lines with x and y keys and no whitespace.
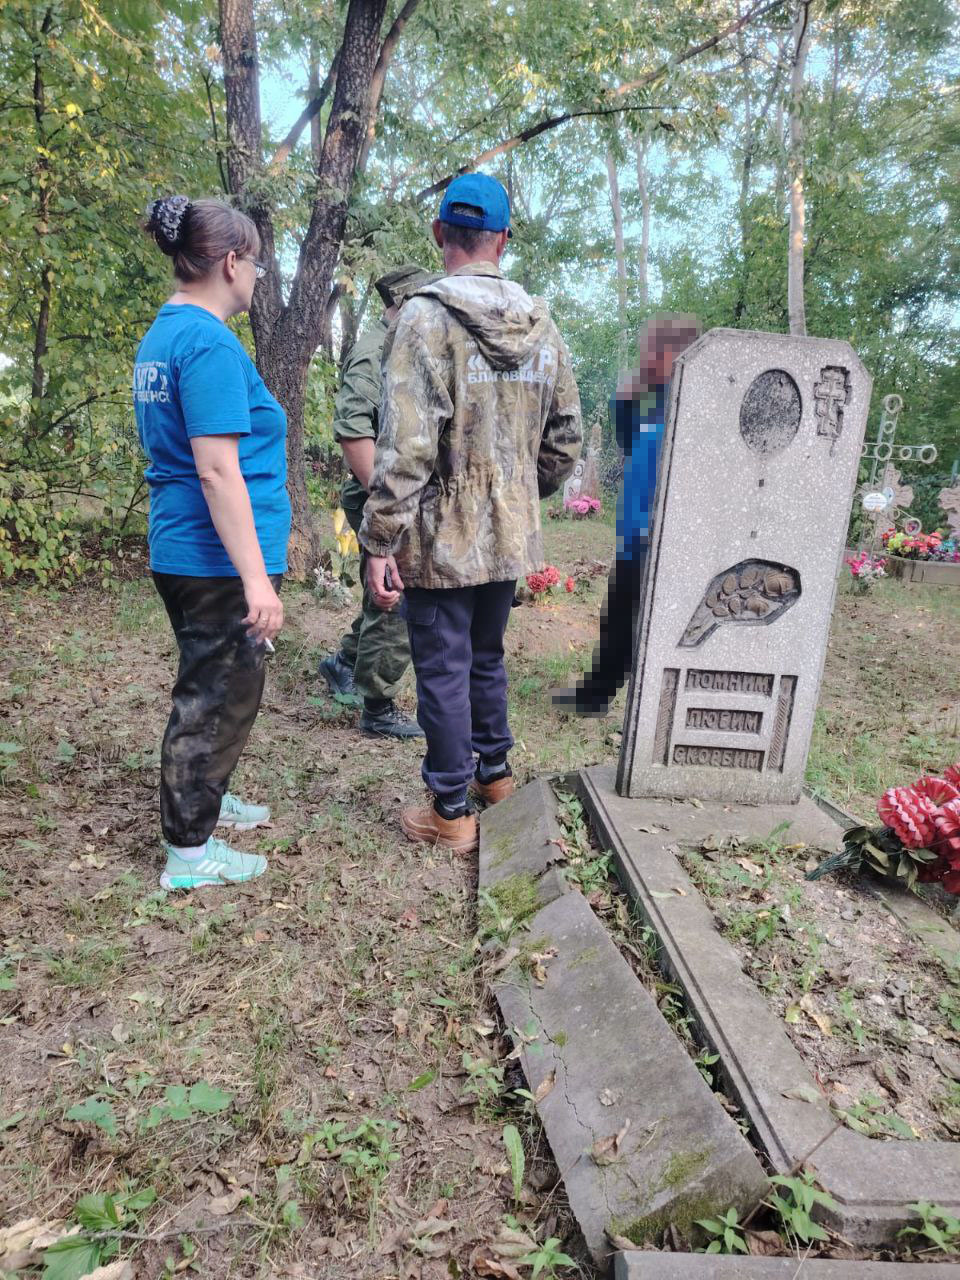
{"x":259,"y":267}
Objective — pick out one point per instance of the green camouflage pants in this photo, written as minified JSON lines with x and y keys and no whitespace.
{"x":377,"y":645}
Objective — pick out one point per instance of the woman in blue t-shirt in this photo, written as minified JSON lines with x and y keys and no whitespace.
{"x":215,"y":440}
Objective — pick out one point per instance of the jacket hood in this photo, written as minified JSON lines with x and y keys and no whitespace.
{"x":509,"y":326}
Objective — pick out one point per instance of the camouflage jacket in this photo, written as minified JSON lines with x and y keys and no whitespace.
{"x":357,"y":407}
{"x":480,"y":419}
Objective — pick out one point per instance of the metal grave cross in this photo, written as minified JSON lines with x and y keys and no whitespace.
{"x":885,"y":503}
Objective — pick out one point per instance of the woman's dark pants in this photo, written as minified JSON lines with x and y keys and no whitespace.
{"x":215,"y":701}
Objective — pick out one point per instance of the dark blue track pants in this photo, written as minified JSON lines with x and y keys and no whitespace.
{"x":456,"y":640}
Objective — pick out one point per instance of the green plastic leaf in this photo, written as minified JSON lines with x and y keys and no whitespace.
{"x":514,"y":1145}
{"x":95,"y":1111}
{"x":422,"y":1081}
{"x":71,"y":1259}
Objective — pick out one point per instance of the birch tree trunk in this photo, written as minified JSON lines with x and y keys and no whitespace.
{"x":620,"y":251}
{"x":796,"y":309}
{"x":643,"y":187}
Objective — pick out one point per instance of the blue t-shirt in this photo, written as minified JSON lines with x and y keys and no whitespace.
{"x":194,"y":378}
{"x":639,"y":425}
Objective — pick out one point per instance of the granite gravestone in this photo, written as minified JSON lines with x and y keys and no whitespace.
{"x":590,"y":483}
{"x":757,"y":470}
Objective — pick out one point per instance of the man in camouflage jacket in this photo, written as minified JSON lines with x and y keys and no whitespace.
{"x":480,"y":420}
{"x":375,"y":652}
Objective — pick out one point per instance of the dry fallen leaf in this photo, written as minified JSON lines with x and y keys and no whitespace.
{"x":220,"y":1206}
{"x":400,"y":1018}
{"x":511,"y":1243}
{"x":19,"y":1244}
{"x":544,"y":1087}
{"x":947,"y":1063}
{"x":607,"y":1150}
{"x":409,"y":919}
{"x":751,"y":868}
{"x":623,"y":1243}
{"x":504,"y":959}
{"x":804,"y":1093}
{"x":482,"y":1264}
{"x":113,"y":1271}
{"x":816,"y":1015}
{"x":764,"y":1244}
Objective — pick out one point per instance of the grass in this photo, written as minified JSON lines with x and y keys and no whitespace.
{"x":322,"y":993}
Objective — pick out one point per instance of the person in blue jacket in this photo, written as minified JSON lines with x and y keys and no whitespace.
{"x":215,"y":440}
{"x":638,"y":412}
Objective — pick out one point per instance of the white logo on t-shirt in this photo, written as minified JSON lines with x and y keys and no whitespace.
{"x":151,"y":382}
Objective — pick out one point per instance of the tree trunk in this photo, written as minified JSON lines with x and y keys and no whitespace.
{"x":41,"y":329}
{"x":643,"y":186}
{"x":620,"y":252}
{"x":795,"y":301}
{"x":287,"y":336}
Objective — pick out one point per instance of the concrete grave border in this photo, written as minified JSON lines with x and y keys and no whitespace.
{"x":872,"y":1181}
{"x":698,"y":1266}
{"x":599,"y":1054}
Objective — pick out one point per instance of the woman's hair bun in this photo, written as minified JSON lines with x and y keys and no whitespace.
{"x":166,"y":222}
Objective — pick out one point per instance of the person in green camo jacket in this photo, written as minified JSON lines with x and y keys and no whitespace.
{"x":375,"y":652}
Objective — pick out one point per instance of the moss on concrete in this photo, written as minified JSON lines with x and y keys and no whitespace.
{"x":681,"y":1167}
{"x":516,"y":897}
{"x":681,"y":1213}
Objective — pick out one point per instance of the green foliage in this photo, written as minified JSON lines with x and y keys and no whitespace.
{"x":96,"y":119}
{"x":183,"y":1104}
{"x":95,"y":1110}
{"x":726,"y":1231}
{"x":102,"y":1217}
{"x":794,"y":1206}
{"x":937,"y":1225}
{"x":514,"y":1145}
{"x":546,"y":1258}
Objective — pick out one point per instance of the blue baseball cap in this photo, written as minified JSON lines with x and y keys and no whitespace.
{"x":482,"y":192}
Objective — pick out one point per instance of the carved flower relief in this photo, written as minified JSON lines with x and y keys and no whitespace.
{"x":752,"y":591}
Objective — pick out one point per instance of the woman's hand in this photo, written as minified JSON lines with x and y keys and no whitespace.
{"x":265,"y":616}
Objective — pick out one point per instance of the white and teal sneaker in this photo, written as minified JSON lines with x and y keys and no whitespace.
{"x":219,"y":865}
{"x":242,"y":817}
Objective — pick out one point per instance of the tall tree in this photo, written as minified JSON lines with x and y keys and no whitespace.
{"x":288,"y":329}
{"x":795,"y":248}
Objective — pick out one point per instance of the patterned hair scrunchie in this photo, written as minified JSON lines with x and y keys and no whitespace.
{"x":166,"y":221}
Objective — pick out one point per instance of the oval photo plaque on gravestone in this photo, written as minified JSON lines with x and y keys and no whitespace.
{"x":770,"y":412}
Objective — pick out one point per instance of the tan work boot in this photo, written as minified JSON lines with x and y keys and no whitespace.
{"x":495,"y":791}
{"x":459,"y":834}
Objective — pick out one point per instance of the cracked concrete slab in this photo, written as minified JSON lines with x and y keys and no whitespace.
{"x":604,"y":1062}
{"x":518,"y":839}
{"x":872,"y":1181}
{"x":698,"y":1266}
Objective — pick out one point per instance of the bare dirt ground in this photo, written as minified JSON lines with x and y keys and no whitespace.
{"x":306,"y":1071}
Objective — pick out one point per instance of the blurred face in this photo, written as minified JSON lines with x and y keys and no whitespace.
{"x":240,"y":274}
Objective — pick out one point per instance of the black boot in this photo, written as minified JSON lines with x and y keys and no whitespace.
{"x":338,"y":674}
{"x":382,"y":719}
